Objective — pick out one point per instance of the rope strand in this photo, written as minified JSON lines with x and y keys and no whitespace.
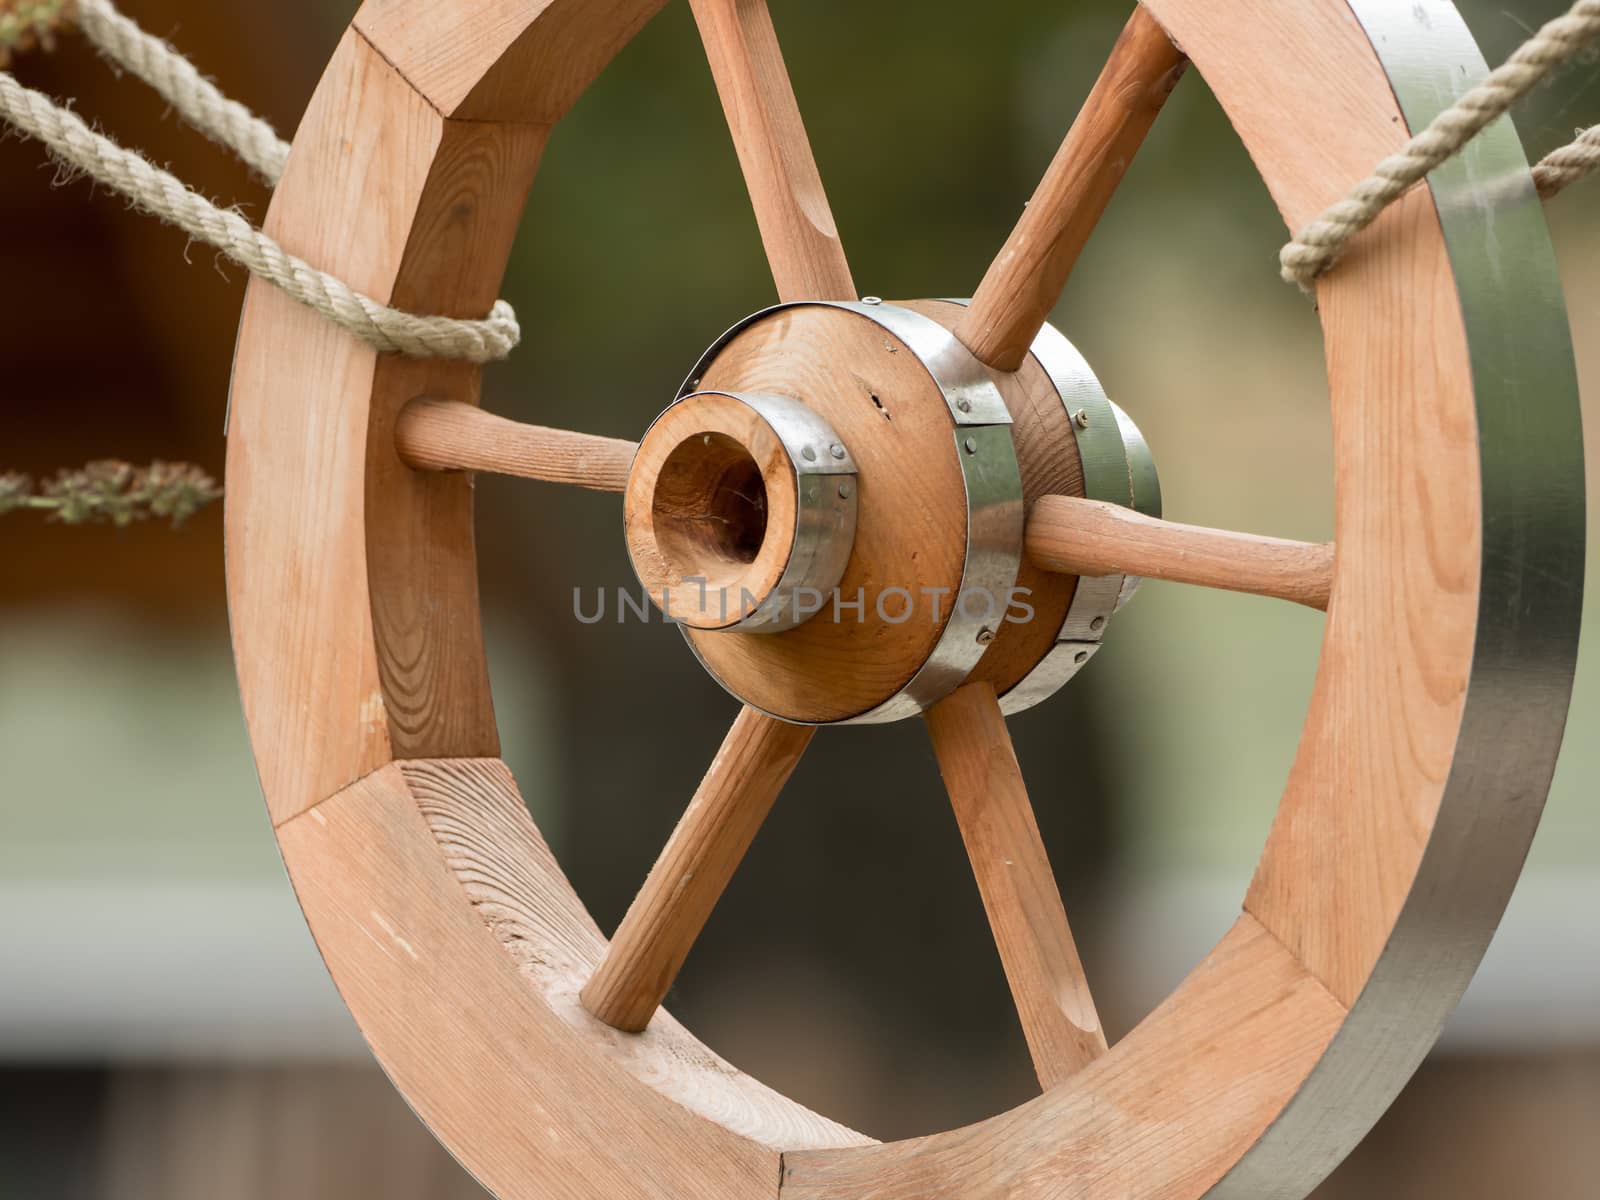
{"x":1565,"y":166}
{"x":1317,"y":246}
{"x":163,"y":195}
{"x":196,"y":98}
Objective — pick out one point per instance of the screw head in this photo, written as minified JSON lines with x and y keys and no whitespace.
{"x":1081,"y":418}
{"x":971,"y":445}
{"x":872,"y":299}
{"x":837,"y":451}
{"x":964,"y":404}
{"x":985,"y":636}
{"x":1081,"y":657}
{"x":1097,"y":624}
{"x":809,"y":453}
{"x":844,"y":490}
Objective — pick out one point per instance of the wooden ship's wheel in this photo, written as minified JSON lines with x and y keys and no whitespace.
{"x":911,"y":454}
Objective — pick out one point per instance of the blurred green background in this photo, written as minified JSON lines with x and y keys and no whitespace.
{"x":166,"y":1028}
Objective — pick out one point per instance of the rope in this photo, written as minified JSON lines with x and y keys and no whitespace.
{"x":197,"y":100}
{"x":1317,"y":246}
{"x":1569,"y":164}
{"x":163,"y":195}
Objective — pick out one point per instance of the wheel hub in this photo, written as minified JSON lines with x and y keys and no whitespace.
{"x":833,"y":510}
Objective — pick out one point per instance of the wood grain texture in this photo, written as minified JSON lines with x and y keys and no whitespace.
{"x":1380,"y":734}
{"x":791,"y":207}
{"x":416,"y":911}
{"x":1018,"y":887}
{"x":1161,"y":1117}
{"x":710,"y":841}
{"x":911,"y":527}
{"x":516,"y":888}
{"x":451,"y":933}
{"x":523,"y":61}
{"x":1025,"y":280}
{"x":1093,"y":537}
{"x":712,"y":511}
{"x":432,"y":434}
{"x":358,"y":639}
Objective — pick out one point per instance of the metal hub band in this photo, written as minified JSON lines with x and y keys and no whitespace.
{"x":993,"y":484}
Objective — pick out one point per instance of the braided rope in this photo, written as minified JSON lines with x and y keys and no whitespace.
{"x":1317,"y":246}
{"x":1568,"y":164}
{"x":165,"y":196}
{"x":162,"y":194}
{"x":196,"y":99}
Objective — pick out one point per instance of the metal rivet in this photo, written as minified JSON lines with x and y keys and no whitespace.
{"x":1097,"y":624}
{"x":809,"y":453}
{"x":985,"y":636}
{"x":964,"y":404}
{"x":836,"y":450}
{"x":872,"y":299}
{"x":1081,"y":418}
{"x":844,"y":491}
{"x":1082,"y":656}
{"x":972,"y":445}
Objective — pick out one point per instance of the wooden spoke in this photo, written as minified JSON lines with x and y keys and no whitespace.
{"x":447,"y":435}
{"x":1025,"y":281}
{"x":1090,"y":537}
{"x":755,"y":761}
{"x":1019,"y":890}
{"x":792,"y":211}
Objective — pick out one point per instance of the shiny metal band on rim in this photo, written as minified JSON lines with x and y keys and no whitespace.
{"x":1530,"y":451}
{"x":993,"y":483}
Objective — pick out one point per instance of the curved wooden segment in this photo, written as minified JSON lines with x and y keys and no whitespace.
{"x":450,"y":435}
{"x":1385,"y":714}
{"x":797,"y":227}
{"x":460,"y":947}
{"x":355,"y":624}
{"x":1090,"y":537}
{"x":1161,"y":1118}
{"x":1019,"y":890}
{"x":502,"y":60}
{"x":1024,"y":282}
{"x":755,"y":761}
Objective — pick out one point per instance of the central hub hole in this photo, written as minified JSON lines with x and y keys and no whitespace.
{"x":710,"y":509}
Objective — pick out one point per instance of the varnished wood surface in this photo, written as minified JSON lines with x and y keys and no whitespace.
{"x":1160,"y":1117}
{"x":518,"y":61}
{"x":911,"y":527}
{"x":1018,"y":887}
{"x":352,"y":585}
{"x":516,"y":889}
{"x":755,"y":761}
{"x":355,"y":621}
{"x":1367,"y":779}
{"x":711,"y":512}
{"x":1091,"y":537}
{"x":797,"y":226}
{"x":1025,"y":280}
{"x":432,"y":899}
{"x":432,"y":434}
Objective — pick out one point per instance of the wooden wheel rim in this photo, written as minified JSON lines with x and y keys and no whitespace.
{"x":1429,"y":743}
